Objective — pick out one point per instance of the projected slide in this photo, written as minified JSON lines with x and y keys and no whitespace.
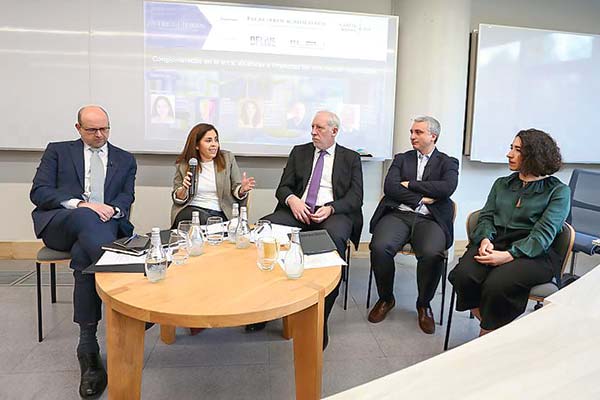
{"x":259,"y":75}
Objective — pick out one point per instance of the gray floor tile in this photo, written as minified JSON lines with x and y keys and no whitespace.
{"x":41,"y":386}
{"x":227,"y":383}
{"x":224,"y":363}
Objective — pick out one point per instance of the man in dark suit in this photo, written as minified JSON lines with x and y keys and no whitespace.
{"x":83,"y":191}
{"x":416,"y":208}
{"x":322,"y":188}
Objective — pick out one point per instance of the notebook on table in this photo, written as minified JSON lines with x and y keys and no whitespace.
{"x":316,"y":242}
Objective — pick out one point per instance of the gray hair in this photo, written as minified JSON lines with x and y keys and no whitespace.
{"x":333,"y":121}
{"x":433,"y":125}
{"x":82,"y":109}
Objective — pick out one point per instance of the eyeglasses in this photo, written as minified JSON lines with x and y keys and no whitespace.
{"x":92,"y":131}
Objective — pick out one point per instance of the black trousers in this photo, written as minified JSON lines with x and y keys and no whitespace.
{"x":185,"y":214}
{"x":81,"y":232}
{"x":339,"y":227}
{"x":392,"y":232}
{"x":500,"y":292}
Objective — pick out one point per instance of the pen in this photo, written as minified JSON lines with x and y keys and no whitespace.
{"x":129,"y":239}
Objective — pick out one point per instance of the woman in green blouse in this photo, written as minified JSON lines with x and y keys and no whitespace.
{"x":509,"y":250}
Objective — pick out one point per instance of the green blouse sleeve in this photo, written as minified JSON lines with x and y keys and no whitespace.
{"x":485,"y":224}
{"x":547,"y":227}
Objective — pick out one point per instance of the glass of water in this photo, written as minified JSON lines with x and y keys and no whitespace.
{"x":179,"y":247}
{"x":214,"y":230}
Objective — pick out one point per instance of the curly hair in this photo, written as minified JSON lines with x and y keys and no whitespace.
{"x":541,"y":154}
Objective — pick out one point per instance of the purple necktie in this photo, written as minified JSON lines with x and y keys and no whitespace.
{"x":315,"y":182}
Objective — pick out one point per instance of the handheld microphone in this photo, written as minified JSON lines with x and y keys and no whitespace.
{"x":193,"y":164}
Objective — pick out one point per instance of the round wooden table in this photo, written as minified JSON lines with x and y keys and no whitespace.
{"x":221,"y":288}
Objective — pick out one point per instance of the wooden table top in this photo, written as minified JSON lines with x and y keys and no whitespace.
{"x":223,"y":287}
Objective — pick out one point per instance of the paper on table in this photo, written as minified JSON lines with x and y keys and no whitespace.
{"x":112,"y":258}
{"x":280,"y":232}
{"x":330,"y":259}
{"x":215,"y":228}
{"x":323,"y":260}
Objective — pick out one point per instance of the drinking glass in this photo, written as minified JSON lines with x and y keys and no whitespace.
{"x":214,"y":230}
{"x":184,"y":227}
{"x":262,"y":229}
{"x":179,"y":248}
{"x":268,"y":252}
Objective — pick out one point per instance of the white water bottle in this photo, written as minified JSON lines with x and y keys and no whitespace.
{"x":233,"y":223}
{"x":156,"y":259}
{"x":196,"y":239}
{"x":242,"y":233}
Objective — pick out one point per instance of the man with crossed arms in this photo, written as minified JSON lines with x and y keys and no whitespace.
{"x":416,"y":208}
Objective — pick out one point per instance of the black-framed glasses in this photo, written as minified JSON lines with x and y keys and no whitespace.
{"x":92,"y":131}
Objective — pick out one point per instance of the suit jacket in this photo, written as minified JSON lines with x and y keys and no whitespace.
{"x":228,"y":183}
{"x":60,"y":176}
{"x":440,"y":179}
{"x":346,"y":180}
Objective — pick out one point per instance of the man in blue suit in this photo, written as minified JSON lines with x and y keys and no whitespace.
{"x":83,"y":191}
{"x":416,"y":208}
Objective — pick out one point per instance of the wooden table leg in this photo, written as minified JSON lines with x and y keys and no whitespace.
{"x":308,"y":350}
{"x":287,"y":328}
{"x":167,"y":334}
{"x":125,"y":355}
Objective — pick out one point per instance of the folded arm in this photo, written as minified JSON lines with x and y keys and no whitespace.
{"x":44,"y":192}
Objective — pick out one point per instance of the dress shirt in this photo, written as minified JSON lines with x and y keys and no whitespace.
{"x":206,"y":188}
{"x":422,"y":160}
{"x":325,"y":194}
{"x":540,"y":207}
{"x":87,"y":155}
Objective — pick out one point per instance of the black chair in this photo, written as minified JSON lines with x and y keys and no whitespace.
{"x":47,"y":256}
{"x":585,"y":212}
{"x":563,"y":244}
{"x":407,"y":250}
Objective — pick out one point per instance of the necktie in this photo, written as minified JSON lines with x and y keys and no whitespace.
{"x":315,"y":182}
{"x":96,"y":177}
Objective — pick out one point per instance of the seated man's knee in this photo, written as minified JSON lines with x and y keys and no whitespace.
{"x":84,"y":217}
{"x":380,"y":247}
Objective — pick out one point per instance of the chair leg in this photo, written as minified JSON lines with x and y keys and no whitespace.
{"x":450,"y":312}
{"x":444,"y":275}
{"x":347,"y":275}
{"x":346,"y":287}
{"x":369,"y":289}
{"x":38,"y":281}
{"x":573,"y":255}
{"x":53,"y":282}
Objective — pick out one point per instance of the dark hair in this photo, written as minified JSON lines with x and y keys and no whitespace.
{"x":190,"y":151}
{"x":540,"y":153}
{"x":155,"y":106}
{"x":256,"y":119}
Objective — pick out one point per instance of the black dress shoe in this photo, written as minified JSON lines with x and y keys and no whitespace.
{"x":93,"y":375}
{"x":259,"y":326}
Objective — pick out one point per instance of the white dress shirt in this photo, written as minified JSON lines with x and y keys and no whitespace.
{"x":422,"y":160}
{"x":325,"y":194}
{"x":206,"y":188}
{"x":87,"y":155}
